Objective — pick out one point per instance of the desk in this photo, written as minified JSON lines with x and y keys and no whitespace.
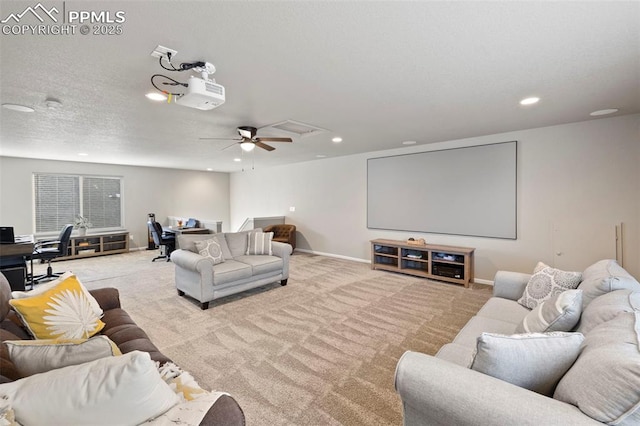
{"x":180,"y":231}
{"x":13,"y":262}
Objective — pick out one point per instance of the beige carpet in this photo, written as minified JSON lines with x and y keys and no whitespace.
{"x":319,"y":351}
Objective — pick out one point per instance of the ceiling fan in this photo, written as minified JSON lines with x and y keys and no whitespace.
{"x":248,"y":140}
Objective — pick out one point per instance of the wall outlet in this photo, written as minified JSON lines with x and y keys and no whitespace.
{"x":131,"y":237}
{"x":292,"y":209}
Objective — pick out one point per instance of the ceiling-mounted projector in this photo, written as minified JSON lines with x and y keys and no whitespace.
{"x":202,"y":94}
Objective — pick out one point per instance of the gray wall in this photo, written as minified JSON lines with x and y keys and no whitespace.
{"x":576,"y":182}
{"x":165,"y":192}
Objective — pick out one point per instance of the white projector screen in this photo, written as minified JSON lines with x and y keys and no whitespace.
{"x":461,"y":191}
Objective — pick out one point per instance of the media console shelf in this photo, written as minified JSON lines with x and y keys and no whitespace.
{"x":97,"y":245}
{"x":438,"y":262}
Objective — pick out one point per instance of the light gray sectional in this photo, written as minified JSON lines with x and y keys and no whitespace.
{"x":198,"y":277}
{"x":602,"y":385}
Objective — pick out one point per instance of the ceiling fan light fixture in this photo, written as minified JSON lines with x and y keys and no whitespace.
{"x":247,"y":146}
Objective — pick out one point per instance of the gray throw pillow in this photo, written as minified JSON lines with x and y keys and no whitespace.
{"x":260,"y":243}
{"x":210,"y":249}
{"x":603,"y":277}
{"x":607,"y":307}
{"x":560,"y":313}
{"x":534,"y":361}
{"x":604,"y":383}
{"x":545,"y":283}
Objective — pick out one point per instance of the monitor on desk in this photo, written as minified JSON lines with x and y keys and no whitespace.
{"x":191,"y":223}
{"x":6,"y":235}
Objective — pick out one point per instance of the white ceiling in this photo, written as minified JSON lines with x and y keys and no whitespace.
{"x":374,"y":73}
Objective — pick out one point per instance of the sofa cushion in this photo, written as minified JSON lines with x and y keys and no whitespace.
{"x":115,"y":390}
{"x":259,"y":243}
{"x":503,"y":310}
{"x":230,"y":271}
{"x":210,"y":249}
{"x":38,"y":356}
{"x":262,"y":264}
{"x":560,"y":313}
{"x":469,"y":334}
{"x":604,"y":383}
{"x":603,"y":277}
{"x":65,"y":311}
{"x":545,"y":283}
{"x":238,"y":241}
{"x":607,"y":307}
{"x":457,"y":354}
{"x":535,"y":361}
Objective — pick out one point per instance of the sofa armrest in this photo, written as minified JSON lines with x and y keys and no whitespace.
{"x":437,"y":392}
{"x":108,"y":298}
{"x":281,"y":249}
{"x":510,"y":285}
{"x":190,"y":260}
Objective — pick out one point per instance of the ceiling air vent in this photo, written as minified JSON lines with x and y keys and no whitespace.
{"x":296,"y":127}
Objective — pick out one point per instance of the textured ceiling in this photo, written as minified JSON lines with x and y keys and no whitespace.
{"x":374,"y":73}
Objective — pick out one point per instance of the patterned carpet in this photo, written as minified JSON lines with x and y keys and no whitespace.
{"x":320,"y":351}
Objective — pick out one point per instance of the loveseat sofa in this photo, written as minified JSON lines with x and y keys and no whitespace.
{"x":601,"y":386}
{"x":206,"y":278}
{"x":119,"y":328}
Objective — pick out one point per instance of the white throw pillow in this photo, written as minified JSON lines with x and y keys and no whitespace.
{"x":122,"y":390}
{"x":260,"y":243}
{"x":560,"y":313}
{"x":38,"y":356}
{"x":545,"y":283}
{"x":534,"y":361}
{"x":210,"y":249}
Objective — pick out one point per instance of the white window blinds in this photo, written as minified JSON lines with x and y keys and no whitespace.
{"x":59,"y":198}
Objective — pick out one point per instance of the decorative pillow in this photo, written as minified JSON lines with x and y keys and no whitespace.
{"x":210,"y":249}
{"x":534,"y":361}
{"x":121,"y":390}
{"x":604,"y":277}
{"x":607,"y":307}
{"x":260,"y":243}
{"x":604,"y":383}
{"x":560,"y":313}
{"x":37,"y":356}
{"x":545,"y":283}
{"x":42,"y":288}
{"x":63,"y":312}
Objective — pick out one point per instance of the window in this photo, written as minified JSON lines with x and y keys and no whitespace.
{"x":60,"y":198}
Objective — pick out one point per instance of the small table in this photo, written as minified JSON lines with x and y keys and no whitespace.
{"x":13,"y":258}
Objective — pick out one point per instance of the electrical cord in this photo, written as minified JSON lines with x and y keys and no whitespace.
{"x":185,"y":66}
{"x":173,"y":83}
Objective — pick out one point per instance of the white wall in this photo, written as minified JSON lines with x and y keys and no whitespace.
{"x":576,"y":182}
{"x":165,"y":192}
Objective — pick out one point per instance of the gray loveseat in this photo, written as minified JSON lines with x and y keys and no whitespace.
{"x":198,"y":277}
{"x":602,"y":386}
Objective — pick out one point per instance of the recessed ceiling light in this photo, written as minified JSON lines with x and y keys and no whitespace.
{"x":409,"y":143}
{"x":209,"y":169}
{"x":83,"y":154}
{"x":16,"y":107}
{"x":530,"y":101}
{"x":320,"y":156}
{"x":52,"y":103}
{"x":603,"y":112}
{"x":155,"y":96}
{"x":237,"y":160}
{"x":337,"y":139}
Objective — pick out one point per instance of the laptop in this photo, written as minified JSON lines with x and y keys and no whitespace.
{"x":6,"y":235}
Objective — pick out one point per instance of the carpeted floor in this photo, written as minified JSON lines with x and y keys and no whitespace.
{"x":320,"y":351}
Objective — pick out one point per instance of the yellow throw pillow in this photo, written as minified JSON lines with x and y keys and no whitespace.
{"x":63,"y":312}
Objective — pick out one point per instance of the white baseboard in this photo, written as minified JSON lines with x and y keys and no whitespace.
{"x":337,"y":256}
{"x":481,"y":281}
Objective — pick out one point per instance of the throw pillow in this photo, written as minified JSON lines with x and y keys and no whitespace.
{"x":607,"y":307}
{"x":121,"y":390}
{"x":260,"y":243}
{"x":545,"y":283}
{"x":210,"y":249}
{"x":560,"y":313}
{"x":603,"y":277}
{"x":64,"y":312}
{"x":604,"y":383}
{"x":534,"y":361}
{"x":37,"y":356}
{"x":41,"y":288}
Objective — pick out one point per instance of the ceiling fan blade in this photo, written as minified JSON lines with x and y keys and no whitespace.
{"x":274,"y":140}
{"x":218,"y":139}
{"x":229,"y":146}
{"x":264,"y":145}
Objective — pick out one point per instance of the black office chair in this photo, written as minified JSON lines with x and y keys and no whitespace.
{"x":47,"y":250}
{"x":162,"y":239}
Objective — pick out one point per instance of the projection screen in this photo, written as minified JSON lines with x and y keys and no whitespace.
{"x":462,"y":191}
